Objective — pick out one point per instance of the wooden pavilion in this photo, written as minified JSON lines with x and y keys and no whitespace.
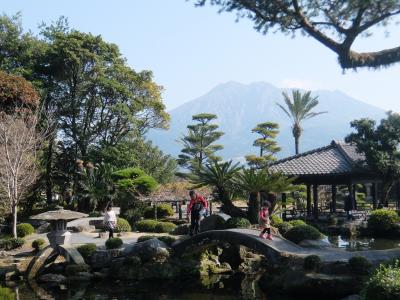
{"x":338,"y":163}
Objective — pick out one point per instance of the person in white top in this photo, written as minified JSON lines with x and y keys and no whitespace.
{"x":110,"y":220}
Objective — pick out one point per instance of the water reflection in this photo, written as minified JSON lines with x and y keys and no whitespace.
{"x":361,"y":244}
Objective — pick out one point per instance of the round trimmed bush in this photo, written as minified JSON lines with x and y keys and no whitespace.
{"x":382,"y":221}
{"x":332,"y":220}
{"x":275,"y":220}
{"x":384,"y":283}
{"x":284,"y":227}
{"x":114,"y":243}
{"x":163,"y":210}
{"x":24,"y":229}
{"x":359,"y":265}
{"x":133,"y":215}
{"x":312,"y":263}
{"x":123,"y":225}
{"x":302,"y":232}
{"x":297,"y":223}
{"x":237,"y":223}
{"x":38,"y":244}
{"x":87,"y":251}
{"x":162,"y":227}
{"x":147,"y":225}
{"x":6,"y":294}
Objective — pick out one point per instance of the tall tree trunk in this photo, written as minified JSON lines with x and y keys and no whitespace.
{"x":14,"y":220}
{"x":296,"y":144}
{"x":296,"y":134}
{"x":49,"y":181}
{"x":254,"y":207}
{"x":387,"y":186}
{"x":228,"y":207}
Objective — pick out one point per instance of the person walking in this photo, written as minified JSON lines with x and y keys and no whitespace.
{"x":197,"y":209}
{"x":110,"y":220}
{"x":264,"y":221}
{"x":349,"y":206}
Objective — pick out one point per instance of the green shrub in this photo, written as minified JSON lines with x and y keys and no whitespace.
{"x":382,"y":221}
{"x":163,"y":210}
{"x":87,"y":251}
{"x":95,"y":214}
{"x":284,"y":227}
{"x":276,"y":220}
{"x":332,"y":220}
{"x":169,"y":240}
{"x":181,"y":230}
{"x":128,"y":173}
{"x":114,"y":243}
{"x":38,"y":244}
{"x":162,"y":227}
{"x":145,"y":184}
{"x":11,"y":243}
{"x":297,"y":223}
{"x":302,"y":232}
{"x":147,"y":225}
{"x":312,"y":263}
{"x":133,"y":215}
{"x":359,"y":265}
{"x":384,"y":283}
{"x":237,"y":223}
{"x":24,"y":229}
{"x":6,"y":294}
{"x":123,"y":225}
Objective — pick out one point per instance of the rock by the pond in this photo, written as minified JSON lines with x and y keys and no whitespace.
{"x":81,"y":276}
{"x":214,"y":222}
{"x":52,"y":278}
{"x":315,"y":244}
{"x":102,"y":258}
{"x":150,"y":250}
{"x":353,"y":297}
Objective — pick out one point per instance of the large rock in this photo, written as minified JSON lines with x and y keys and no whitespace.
{"x":214,"y":222}
{"x":83,"y":225}
{"x":103,"y":258}
{"x":150,"y":250}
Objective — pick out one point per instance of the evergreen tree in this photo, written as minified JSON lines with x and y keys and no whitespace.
{"x":267,"y":144}
{"x":198,"y":144}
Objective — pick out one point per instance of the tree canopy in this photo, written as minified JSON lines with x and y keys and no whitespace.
{"x":335,"y":24}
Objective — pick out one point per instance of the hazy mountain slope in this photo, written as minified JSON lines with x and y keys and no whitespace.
{"x":240,"y":107}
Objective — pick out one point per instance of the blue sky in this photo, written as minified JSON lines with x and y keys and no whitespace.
{"x":190,"y":50}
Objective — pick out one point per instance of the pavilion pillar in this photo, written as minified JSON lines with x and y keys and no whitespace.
{"x":284,"y":206}
{"x":308,"y":200}
{"x":315,"y":198}
{"x":355,"y":195}
{"x":333,"y":204}
{"x":374,"y":192}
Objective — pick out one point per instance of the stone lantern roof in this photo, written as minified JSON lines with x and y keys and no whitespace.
{"x":59,"y":214}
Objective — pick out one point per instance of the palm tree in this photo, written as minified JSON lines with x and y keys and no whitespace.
{"x":220,"y":176}
{"x":299,"y":109}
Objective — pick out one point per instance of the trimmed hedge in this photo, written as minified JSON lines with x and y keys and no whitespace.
{"x":237,"y":223}
{"x":284,"y":227}
{"x":163,"y":210}
{"x":295,"y":223}
{"x":11,"y":243}
{"x":147,"y":225}
{"x":275,"y":220}
{"x":94,"y":214}
{"x":38,"y":244}
{"x":166,"y":227}
{"x":114,"y":243}
{"x":359,"y":265}
{"x":302,"y":232}
{"x":312,"y":263}
{"x":133,"y":215}
{"x":123,"y":225}
{"x":381,"y":222}
{"x":384,"y":283}
{"x":169,"y":240}
{"x":6,"y":294}
{"x":87,"y":251}
{"x":25,"y":229}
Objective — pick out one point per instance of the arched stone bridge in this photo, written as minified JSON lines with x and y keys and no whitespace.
{"x":279,"y":247}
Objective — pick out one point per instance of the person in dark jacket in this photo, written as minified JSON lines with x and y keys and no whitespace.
{"x":349,"y":206}
{"x":197,"y":209}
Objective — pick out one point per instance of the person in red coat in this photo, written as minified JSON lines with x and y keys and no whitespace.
{"x":197,"y":209}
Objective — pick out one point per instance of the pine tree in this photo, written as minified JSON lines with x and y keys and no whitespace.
{"x":267,"y":144}
{"x":198,"y":143}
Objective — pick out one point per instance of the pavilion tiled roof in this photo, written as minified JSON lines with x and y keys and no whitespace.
{"x":338,"y":158}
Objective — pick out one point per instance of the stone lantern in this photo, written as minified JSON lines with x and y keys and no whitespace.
{"x":59,"y":235}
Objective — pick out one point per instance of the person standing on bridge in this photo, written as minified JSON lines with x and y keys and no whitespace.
{"x":265,"y":221}
{"x":197,"y":209}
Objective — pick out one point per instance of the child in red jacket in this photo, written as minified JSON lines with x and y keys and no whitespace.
{"x":265,"y":223}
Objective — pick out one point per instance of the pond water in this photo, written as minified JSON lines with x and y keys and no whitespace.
{"x":360,"y":244}
{"x":220,"y":287}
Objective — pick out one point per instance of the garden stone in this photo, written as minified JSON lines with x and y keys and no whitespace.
{"x":153,"y":249}
{"x":181,"y":229}
{"x":214,"y":222}
{"x":53,"y":278}
{"x":103,"y":258}
{"x":353,"y":297}
{"x":44,"y":228}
